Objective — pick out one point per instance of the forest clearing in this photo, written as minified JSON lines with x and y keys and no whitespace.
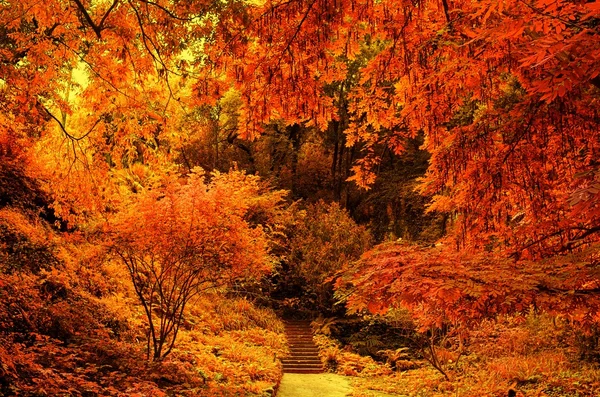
{"x":369,"y":198}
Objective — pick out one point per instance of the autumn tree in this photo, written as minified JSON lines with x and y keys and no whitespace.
{"x":94,"y":87}
{"x":504,"y":92}
{"x":184,"y":237}
{"x":449,"y":293}
{"x":318,"y":240}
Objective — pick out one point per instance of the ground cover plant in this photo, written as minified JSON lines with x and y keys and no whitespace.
{"x":534,"y":355}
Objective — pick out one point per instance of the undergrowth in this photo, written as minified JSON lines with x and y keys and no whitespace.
{"x":70,"y":325}
{"x":536,"y":355}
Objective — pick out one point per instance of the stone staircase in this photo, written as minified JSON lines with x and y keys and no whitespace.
{"x":304,"y":354}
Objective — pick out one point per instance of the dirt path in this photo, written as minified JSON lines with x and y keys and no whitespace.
{"x":314,"y":385}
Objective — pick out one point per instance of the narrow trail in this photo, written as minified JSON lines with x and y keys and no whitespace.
{"x":304,"y":354}
{"x":314,"y":385}
{"x":303,"y":371}
{"x":303,"y":374}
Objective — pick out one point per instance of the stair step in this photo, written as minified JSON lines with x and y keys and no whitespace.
{"x":304,"y":354}
{"x":297,"y":369}
{"x":294,"y":362}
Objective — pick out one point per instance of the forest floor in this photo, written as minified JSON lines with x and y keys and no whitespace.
{"x":319,"y":385}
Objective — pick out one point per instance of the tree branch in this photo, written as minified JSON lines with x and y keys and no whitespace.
{"x":113,"y":5}
{"x":63,"y":128}
{"x":88,"y":19}
{"x":170,"y":13}
{"x":99,"y":27}
{"x":548,"y":15}
{"x":446,"y":12}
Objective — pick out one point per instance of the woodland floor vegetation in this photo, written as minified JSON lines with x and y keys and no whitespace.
{"x":76,"y":327}
{"x":535,"y":354}
{"x":423,"y":176}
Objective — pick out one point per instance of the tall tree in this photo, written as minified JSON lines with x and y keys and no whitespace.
{"x":504,"y":91}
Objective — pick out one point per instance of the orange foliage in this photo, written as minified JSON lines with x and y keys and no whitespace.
{"x":441,"y":286}
{"x":94,"y":96}
{"x":506,"y":93}
{"x":178,"y":240}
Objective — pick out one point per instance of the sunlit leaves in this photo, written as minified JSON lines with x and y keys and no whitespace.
{"x":440,"y":286}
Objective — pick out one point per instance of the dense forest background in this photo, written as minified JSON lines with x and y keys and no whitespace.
{"x":421,"y":178}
